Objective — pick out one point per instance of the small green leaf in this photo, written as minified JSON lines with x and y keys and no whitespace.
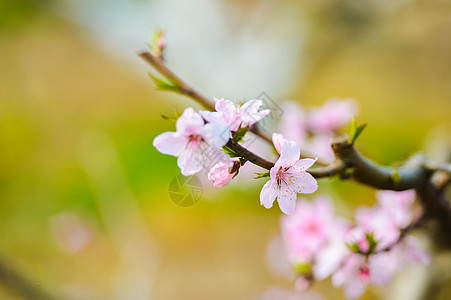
{"x":230,"y":152}
{"x":372,"y":242}
{"x":238,"y":135}
{"x":261,"y":175}
{"x":165,"y":85}
{"x":395,"y":177}
{"x":354,"y":247}
{"x":356,"y":130}
{"x":302,"y":269}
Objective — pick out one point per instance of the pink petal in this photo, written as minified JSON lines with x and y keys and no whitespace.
{"x":278,"y":139}
{"x":304,"y":164}
{"x":170,"y":143}
{"x":190,"y":122}
{"x":304,"y":183}
{"x":287,"y":199}
{"x":215,"y":134}
{"x":289,"y":155}
{"x":332,"y":115}
{"x":250,"y":114}
{"x":190,"y":161}
{"x":219,"y":175}
{"x":268,"y":194}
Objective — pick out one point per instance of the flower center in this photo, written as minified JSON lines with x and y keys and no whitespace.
{"x":282,"y":176}
{"x":194,"y":140}
{"x":365,"y":272}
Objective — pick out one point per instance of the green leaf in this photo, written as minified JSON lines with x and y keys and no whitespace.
{"x":165,"y":85}
{"x":238,"y":135}
{"x":372,"y":242}
{"x":230,"y":152}
{"x":395,"y":177}
{"x":354,"y":247}
{"x":302,"y":269}
{"x":261,"y":175}
{"x":356,"y":130}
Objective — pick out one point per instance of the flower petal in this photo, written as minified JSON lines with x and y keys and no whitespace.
{"x":278,"y":139}
{"x":304,"y":164}
{"x":170,"y":143}
{"x":250,"y":114}
{"x":289,"y":155}
{"x":304,"y":183}
{"x":268,"y":194}
{"x":287,"y":199}
{"x":215,"y":134}
{"x":190,"y":161}
{"x":190,"y":122}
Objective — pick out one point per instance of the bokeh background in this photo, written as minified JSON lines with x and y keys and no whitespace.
{"x":84,"y":205}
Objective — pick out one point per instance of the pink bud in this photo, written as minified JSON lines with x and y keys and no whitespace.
{"x":278,"y":139}
{"x":220,"y":175}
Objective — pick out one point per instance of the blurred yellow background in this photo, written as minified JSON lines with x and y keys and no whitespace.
{"x":84,"y":205}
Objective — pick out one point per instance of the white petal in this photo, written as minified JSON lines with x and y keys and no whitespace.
{"x":287,"y":199}
{"x":170,"y":143}
{"x":211,"y":116}
{"x":215,"y":134}
{"x":250,"y":107}
{"x":304,"y":164}
{"x":289,"y":155}
{"x":304,"y":183}
{"x":268,"y":194}
{"x":190,"y":122}
{"x":190,"y":161}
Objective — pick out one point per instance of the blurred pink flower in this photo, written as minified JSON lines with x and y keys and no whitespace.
{"x":276,"y":293}
{"x":332,"y":115}
{"x":71,"y":232}
{"x":320,"y":145}
{"x":220,"y":175}
{"x":398,"y":205}
{"x":192,"y":139}
{"x":235,"y":116}
{"x":357,"y":237}
{"x":378,"y":222}
{"x":294,"y":124}
{"x":288,"y":177}
{"x":308,"y":228}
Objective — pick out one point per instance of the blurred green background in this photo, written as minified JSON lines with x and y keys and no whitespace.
{"x":84,"y":205}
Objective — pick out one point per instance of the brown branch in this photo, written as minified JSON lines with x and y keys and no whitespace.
{"x":409,"y":176}
{"x":12,"y":280}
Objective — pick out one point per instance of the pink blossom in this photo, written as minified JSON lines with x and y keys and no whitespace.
{"x":357,"y":237}
{"x":235,"y":116}
{"x":288,"y":177}
{"x":220,"y":175}
{"x":332,"y":115}
{"x":294,"y":122}
{"x":308,"y":229}
{"x":398,"y":205}
{"x":191,"y":140}
{"x":378,"y":222}
{"x":320,"y":145}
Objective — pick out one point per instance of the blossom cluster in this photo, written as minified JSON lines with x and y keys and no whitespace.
{"x":201,"y":136}
{"x":369,"y":251}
